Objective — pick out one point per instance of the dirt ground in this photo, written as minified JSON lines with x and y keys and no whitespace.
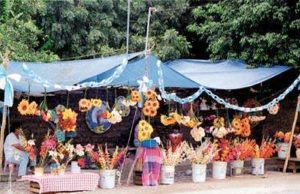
{"x":271,"y":183}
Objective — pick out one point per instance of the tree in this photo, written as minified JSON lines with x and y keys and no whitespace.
{"x":18,"y":32}
{"x":259,"y":32}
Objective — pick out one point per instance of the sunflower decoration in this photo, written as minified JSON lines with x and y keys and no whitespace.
{"x":96,"y":102}
{"x":150,"y":94}
{"x":32,"y":108}
{"x":245,"y":125}
{"x":84,"y":105}
{"x":150,"y":108}
{"x":237,"y":125}
{"x":144,"y":130}
{"x":135,"y":96}
{"x":23,"y":107}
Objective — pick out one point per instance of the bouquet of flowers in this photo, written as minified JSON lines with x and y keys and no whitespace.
{"x":66,"y":118}
{"x":109,"y":161}
{"x":223,"y":154}
{"x":202,"y":154}
{"x":241,"y":149}
{"x":281,"y":137}
{"x":171,"y":158}
{"x":63,"y":154}
{"x":49,"y":144}
{"x":265,"y":150}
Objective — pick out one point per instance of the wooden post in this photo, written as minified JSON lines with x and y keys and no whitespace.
{"x":5,"y":62}
{"x":287,"y":157}
{"x":2,"y":135}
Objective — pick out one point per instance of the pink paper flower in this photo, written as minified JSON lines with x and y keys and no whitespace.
{"x":89,"y":148}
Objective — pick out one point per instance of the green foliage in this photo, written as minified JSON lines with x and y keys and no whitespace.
{"x":259,"y":32}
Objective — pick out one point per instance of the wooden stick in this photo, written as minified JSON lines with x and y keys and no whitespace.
{"x":137,"y":156}
{"x":287,"y":157}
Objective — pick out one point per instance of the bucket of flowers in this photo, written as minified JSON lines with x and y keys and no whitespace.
{"x":107,"y":162}
{"x":282,"y":143}
{"x":170,"y":160}
{"x":260,"y":153}
{"x":221,"y":159}
{"x":200,"y":157}
{"x":240,"y":151}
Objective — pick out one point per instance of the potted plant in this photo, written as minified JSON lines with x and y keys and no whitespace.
{"x":282,"y":143}
{"x":108,"y":163}
{"x":221,"y":159}
{"x":297,"y":145}
{"x":170,"y":160}
{"x":200,"y":157}
{"x":260,"y":153}
{"x":240,"y":151}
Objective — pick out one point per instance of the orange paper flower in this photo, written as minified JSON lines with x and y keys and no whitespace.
{"x":135,"y":96}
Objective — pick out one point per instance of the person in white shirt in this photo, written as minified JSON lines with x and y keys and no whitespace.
{"x":15,"y":152}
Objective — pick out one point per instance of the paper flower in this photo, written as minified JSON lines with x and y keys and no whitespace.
{"x":115,"y":117}
{"x":144,"y":130}
{"x":79,"y":150}
{"x":23,"y":107}
{"x":219,"y":132}
{"x":84,"y":105}
{"x":197,"y":133}
{"x":128,"y":102}
{"x":150,"y":94}
{"x":32,"y":108}
{"x":135,"y":96}
{"x":96,"y":102}
{"x":89,"y":147}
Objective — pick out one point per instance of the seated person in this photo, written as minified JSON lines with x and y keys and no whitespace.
{"x":14,"y":151}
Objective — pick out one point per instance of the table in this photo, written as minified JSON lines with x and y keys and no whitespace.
{"x":85,"y":181}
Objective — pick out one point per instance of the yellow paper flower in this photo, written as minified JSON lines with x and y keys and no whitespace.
{"x":23,"y":107}
{"x":96,"y":102}
{"x":32,"y":108}
{"x":84,"y":105}
{"x":68,"y":113}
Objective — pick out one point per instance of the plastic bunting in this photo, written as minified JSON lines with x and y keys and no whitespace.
{"x":174,"y":97}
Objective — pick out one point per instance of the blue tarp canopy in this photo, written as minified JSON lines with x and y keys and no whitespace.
{"x":63,"y":72}
{"x":225,"y":75}
{"x":135,"y":71}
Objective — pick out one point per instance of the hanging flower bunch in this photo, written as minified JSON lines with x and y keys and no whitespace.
{"x":202,"y":154}
{"x":171,"y":158}
{"x":223,"y":153}
{"x":265,"y":150}
{"x":114,"y":117}
{"x":86,"y":104}
{"x":144,"y":130}
{"x":66,"y":118}
{"x":171,"y":119}
{"x":282,"y":137}
{"x":218,"y":129}
{"x":151,"y":104}
{"x":26,"y":108}
{"x":135,"y":96}
{"x":108,"y":161}
{"x":241,"y":126}
{"x":198,"y":132}
{"x":241,"y":149}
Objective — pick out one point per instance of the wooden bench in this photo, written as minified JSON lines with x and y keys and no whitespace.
{"x":293,"y":164}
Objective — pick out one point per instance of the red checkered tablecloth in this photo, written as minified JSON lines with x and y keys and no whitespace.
{"x":84,"y":181}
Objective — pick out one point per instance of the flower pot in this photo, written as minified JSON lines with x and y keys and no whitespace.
{"x":107,"y":179}
{"x":282,"y":149}
{"x":219,"y":170}
{"x":298,"y":153}
{"x":236,"y":167}
{"x":167,"y":175}
{"x":74,"y":167}
{"x":258,"y":166}
{"x":199,"y":173}
{"x":38,"y":171}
